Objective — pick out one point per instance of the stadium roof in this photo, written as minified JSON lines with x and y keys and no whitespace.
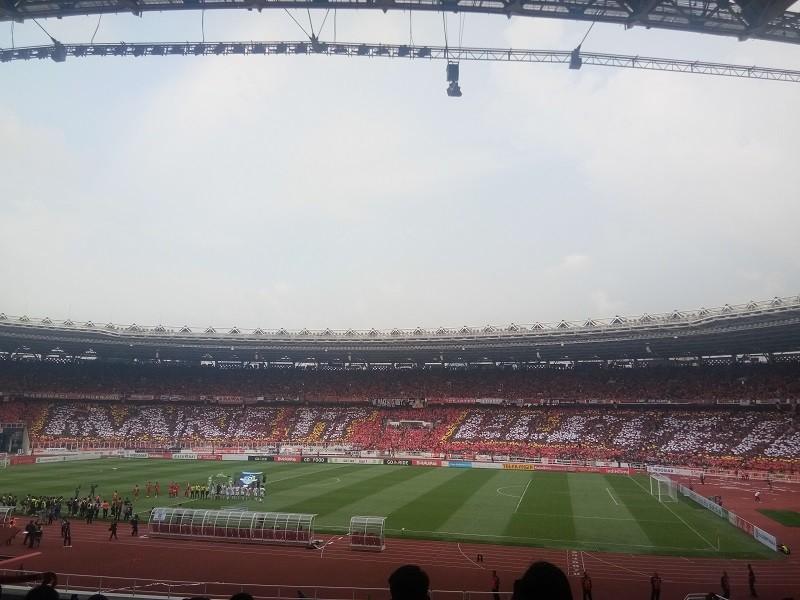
{"x":759,"y":19}
{"x":754,"y":328}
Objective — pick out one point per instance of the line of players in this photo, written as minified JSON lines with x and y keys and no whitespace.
{"x":199,"y":491}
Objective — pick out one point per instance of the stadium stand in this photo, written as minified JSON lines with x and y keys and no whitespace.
{"x":696,"y":436}
{"x":731,"y":415}
{"x":534,"y":384}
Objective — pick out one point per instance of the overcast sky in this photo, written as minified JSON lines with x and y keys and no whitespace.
{"x":350,"y":192}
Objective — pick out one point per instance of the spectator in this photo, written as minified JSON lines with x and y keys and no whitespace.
{"x":542,"y":580}
{"x":409,"y":582}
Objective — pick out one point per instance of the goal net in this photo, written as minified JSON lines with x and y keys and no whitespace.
{"x":663,"y":488}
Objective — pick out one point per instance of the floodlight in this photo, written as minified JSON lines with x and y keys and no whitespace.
{"x":452,"y":71}
{"x":575,"y":60}
{"x":59,"y":52}
{"x":453,"y":90}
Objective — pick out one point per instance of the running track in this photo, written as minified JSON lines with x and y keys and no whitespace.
{"x":451,"y":566}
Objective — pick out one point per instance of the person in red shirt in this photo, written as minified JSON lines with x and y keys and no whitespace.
{"x":149,"y":489}
{"x":158,"y":489}
{"x":655,"y":587}
{"x":586,"y":586}
{"x":495,"y":586}
{"x":136,"y":492}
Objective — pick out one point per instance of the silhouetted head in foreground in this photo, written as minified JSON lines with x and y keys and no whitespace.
{"x":409,"y":582}
{"x":42,"y":592}
{"x":542,"y":581}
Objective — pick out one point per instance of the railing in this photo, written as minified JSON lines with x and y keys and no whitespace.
{"x":69,"y":583}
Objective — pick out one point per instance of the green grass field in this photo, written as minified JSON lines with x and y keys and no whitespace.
{"x":580,"y":511}
{"x":789,"y":518}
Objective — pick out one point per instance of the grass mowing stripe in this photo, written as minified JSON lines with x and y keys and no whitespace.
{"x":549,"y":493}
{"x":645,"y":509}
{"x":681,"y":519}
{"x":340,"y":497}
{"x":590,"y":497}
{"x":432,"y":507}
{"x":486,"y":511}
{"x":789,"y":518}
{"x":310,"y":478}
{"x":381,"y":502}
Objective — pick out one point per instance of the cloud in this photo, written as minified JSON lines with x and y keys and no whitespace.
{"x":573,"y":262}
{"x":313,"y":191}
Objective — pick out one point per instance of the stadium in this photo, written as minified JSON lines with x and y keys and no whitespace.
{"x":399,"y":300}
{"x":619,"y":448}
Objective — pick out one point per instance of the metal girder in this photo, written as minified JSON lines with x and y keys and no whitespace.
{"x":641,"y":10}
{"x":404,"y":51}
{"x":8,"y":10}
{"x":761,"y":19}
{"x":759,"y":14}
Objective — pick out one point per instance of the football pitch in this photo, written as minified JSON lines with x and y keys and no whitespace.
{"x":578,"y":511}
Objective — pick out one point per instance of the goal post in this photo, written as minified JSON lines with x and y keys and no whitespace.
{"x":663,"y":488}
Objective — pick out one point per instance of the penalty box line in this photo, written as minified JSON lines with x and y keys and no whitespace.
{"x":523,"y":495}
{"x":700,"y":535}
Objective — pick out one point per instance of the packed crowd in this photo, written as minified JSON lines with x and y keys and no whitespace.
{"x":581,"y":383}
{"x":714,"y":436}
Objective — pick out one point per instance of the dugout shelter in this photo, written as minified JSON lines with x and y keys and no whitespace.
{"x":293,"y":529}
{"x":367,"y":533}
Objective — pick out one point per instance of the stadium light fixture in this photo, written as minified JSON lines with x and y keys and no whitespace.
{"x":59,"y":54}
{"x":575,"y":60}
{"x":453,"y":89}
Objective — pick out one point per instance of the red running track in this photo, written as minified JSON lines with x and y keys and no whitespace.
{"x":451,"y":566}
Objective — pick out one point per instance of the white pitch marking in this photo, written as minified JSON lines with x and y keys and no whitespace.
{"x":612,"y":496}
{"x":523,"y":495}
{"x":701,"y":536}
{"x":505,"y":487}
{"x":468,"y":558}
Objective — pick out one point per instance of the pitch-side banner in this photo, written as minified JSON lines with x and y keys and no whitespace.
{"x":765,"y":538}
{"x":354,"y":461}
{"x":567,"y":468}
{"x":184,"y":455}
{"x":426,"y":462}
